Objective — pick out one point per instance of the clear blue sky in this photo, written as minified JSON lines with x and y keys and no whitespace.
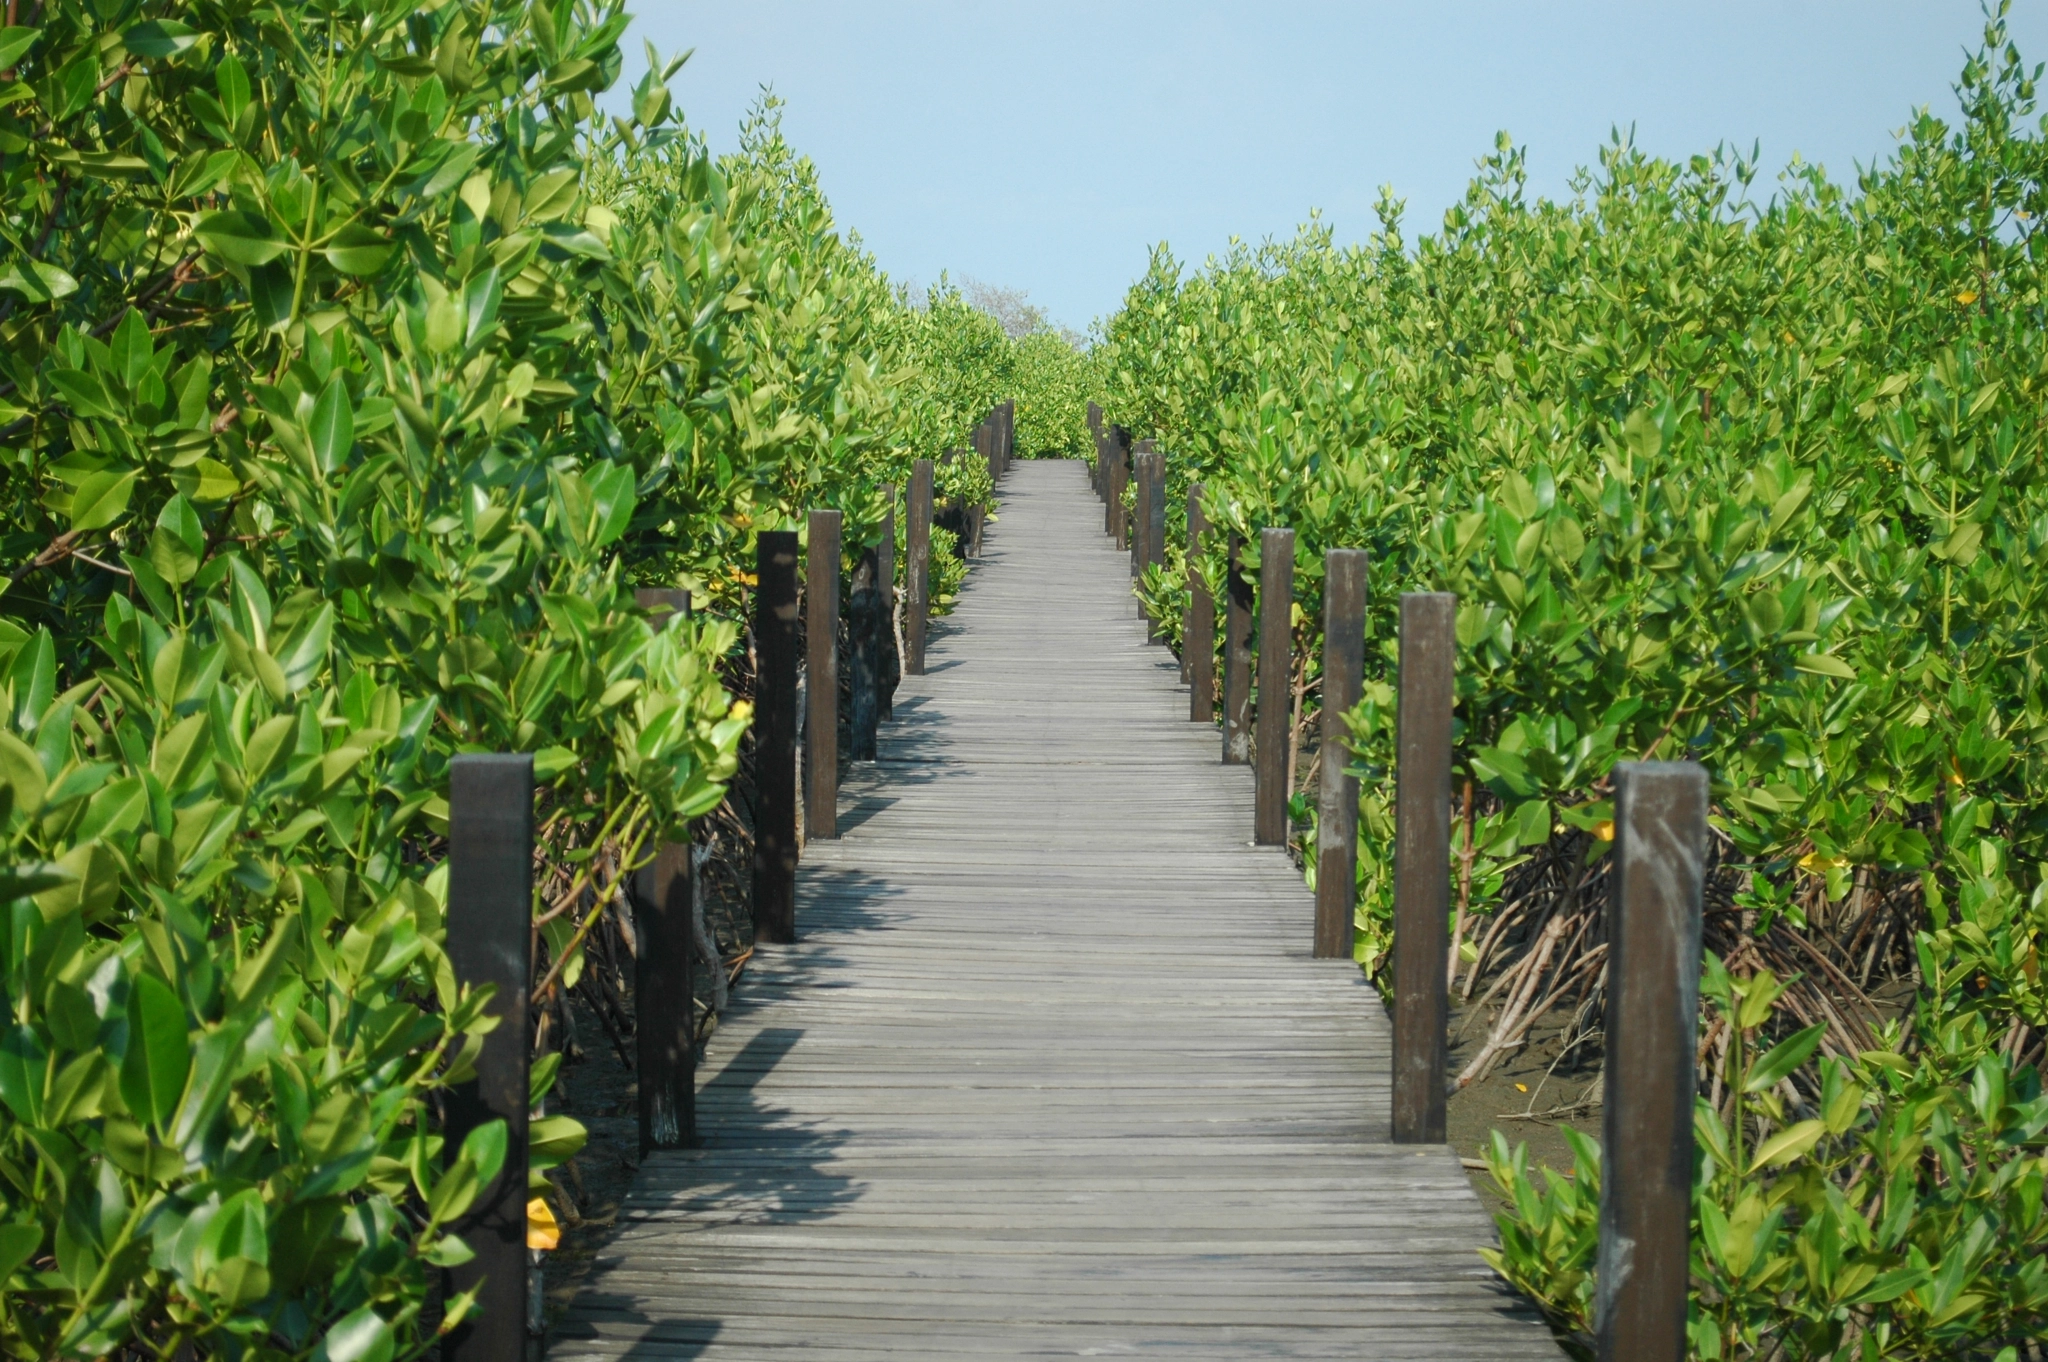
{"x":1048,"y":145}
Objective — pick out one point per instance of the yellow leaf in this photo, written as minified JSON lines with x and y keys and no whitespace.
{"x":541,"y":1230}
{"x":1604,"y":829}
{"x":1521,"y":1087}
{"x":1788,"y":1144}
{"x":1815,"y":863}
{"x":741,"y":709}
{"x":1967,"y":296}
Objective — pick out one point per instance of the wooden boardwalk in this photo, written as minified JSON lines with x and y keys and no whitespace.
{"x":1050,"y":1072}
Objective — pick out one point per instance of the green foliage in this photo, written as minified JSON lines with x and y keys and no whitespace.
{"x":1755,"y":483}
{"x":1891,"y":1209}
{"x":1752,"y":483}
{"x":963,"y":363}
{"x":353,"y":372}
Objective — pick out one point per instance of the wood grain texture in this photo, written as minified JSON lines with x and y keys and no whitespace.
{"x":1050,"y":1071}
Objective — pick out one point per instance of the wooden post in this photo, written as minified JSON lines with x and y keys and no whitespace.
{"x":1187,"y":613}
{"x":1154,"y":483}
{"x":1276,"y":685}
{"x":1119,"y":475}
{"x":1422,"y":863}
{"x":865,"y":653}
{"x":490,"y":928}
{"x":1237,"y":661}
{"x":981,"y":511}
{"x":885,"y":621}
{"x":1155,"y":511}
{"x":917,"y":568}
{"x":1141,"y":505}
{"x":821,"y":640}
{"x":1344,"y":588}
{"x":1109,"y":486}
{"x":1095,"y":473}
{"x":663,"y":988}
{"x":1653,"y":983}
{"x":775,"y":737}
{"x":1200,"y":635}
{"x":1009,"y":432}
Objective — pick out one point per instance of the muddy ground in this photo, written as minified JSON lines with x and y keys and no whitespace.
{"x":1529,"y":1097}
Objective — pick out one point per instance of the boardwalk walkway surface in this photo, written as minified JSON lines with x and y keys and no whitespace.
{"x":1050,"y":1072}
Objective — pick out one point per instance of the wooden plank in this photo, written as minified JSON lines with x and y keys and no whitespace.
{"x":1052,"y":1072}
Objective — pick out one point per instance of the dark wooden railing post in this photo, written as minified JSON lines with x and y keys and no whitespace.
{"x":885,"y":619}
{"x":863,"y":638}
{"x":1112,"y":487}
{"x":1009,"y":433}
{"x":1154,"y":531}
{"x":1119,"y":475}
{"x":1653,"y":993}
{"x":988,"y":443}
{"x":917,"y":567}
{"x":1191,"y":524}
{"x":1237,"y":660}
{"x":1276,"y":685}
{"x":664,"y":989}
{"x":981,"y":513}
{"x":1422,"y":862}
{"x":1344,"y":588}
{"x":1155,"y":512}
{"x":1199,"y":645}
{"x":775,"y":659}
{"x":1095,"y":436}
{"x":821,"y":668}
{"x":1141,"y":511}
{"x":490,"y":926}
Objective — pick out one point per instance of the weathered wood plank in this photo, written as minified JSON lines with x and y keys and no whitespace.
{"x":1051,"y":1071}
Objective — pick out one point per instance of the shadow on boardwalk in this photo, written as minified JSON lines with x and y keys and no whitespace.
{"x":1050,"y":1071}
